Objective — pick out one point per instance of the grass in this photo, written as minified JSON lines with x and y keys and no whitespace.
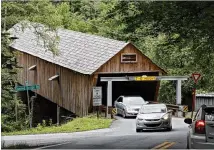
{"x":78,"y":124}
{"x":18,"y":146}
{"x":188,"y":115}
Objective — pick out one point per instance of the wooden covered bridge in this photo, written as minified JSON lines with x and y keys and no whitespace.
{"x":67,"y":79}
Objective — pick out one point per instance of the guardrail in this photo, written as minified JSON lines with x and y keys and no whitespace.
{"x":171,"y":106}
{"x":176,"y":109}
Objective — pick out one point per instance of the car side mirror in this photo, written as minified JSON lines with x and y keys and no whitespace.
{"x":188,"y":121}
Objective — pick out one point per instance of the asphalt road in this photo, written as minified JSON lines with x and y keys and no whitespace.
{"x":122,"y":135}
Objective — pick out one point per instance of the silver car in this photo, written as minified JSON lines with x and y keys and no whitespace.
{"x":154,"y":116}
{"x":201,"y":129}
{"x":128,"y":106}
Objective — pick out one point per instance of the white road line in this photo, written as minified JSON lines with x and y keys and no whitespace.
{"x":54,"y":145}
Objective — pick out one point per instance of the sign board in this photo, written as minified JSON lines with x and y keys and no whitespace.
{"x":97,"y":92}
{"x":196,"y":77}
{"x":20,"y":88}
{"x":24,"y":88}
{"x":145,"y":78}
{"x":114,"y":111}
{"x":185,"y":108}
{"x":97,"y":96}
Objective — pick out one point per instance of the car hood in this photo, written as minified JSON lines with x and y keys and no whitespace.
{"x":151,"y":116}
{"x":133,"y":106}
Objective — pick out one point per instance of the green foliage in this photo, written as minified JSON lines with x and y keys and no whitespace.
{"x":18,"y":146}
{"x":178,"y":36}
{"x":8,"y":80}
{"x":43,"y":123}
{"x":25,"y":13}
{"x":78,"y":124}
{"x":50,"y":123}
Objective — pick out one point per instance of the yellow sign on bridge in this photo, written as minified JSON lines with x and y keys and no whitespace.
{"x":143,"y":78}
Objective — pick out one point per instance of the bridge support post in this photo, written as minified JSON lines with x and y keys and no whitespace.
{"x":109,"y":97}
{"x":178,"y":92}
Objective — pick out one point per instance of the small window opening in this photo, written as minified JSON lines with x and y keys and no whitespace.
{"x":128,"y":58}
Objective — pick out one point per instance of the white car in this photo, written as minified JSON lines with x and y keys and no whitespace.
{"x":201,"y":129}
{"x":128,"y":106}
{"x":154,"y":116}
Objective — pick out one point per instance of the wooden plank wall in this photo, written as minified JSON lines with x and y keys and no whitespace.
{"x":114,"y":64}
{"x":72,"y":92}
{"x":143,"y":64}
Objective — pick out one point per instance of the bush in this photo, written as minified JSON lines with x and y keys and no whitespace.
{"x":43,"y":123}
{"x":50,"y":122}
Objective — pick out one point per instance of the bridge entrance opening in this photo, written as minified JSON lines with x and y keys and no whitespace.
{"x":143,"y":79}
{"x":147,"y":90}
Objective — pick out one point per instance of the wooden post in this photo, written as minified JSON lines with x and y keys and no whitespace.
{"x":58,"y":112}
{"x":28,"y":100}
{"x":31,"y":116}
{"x":97,"y":112}
{"x":193,"y":101}
{"x":16,"y":107}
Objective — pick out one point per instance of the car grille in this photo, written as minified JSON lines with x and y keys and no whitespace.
{"x":152,"y":125}
{"x":152,"y":119}
{"x":136,"y":109}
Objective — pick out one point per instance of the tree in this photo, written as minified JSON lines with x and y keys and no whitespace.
{"x":25,"y":13}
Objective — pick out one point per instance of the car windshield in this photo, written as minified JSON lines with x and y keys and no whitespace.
{"x":147,"y":109}
{"x":134,"y":101}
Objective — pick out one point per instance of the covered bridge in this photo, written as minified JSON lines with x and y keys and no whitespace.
{"x":67,"y":79}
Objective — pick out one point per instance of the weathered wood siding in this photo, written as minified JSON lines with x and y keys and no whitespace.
{"x":143,"y":63}
{"x":73,"y":91}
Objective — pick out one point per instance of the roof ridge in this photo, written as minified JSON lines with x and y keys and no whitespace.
{"x":80,"y":52}
{"x":90,"y":34}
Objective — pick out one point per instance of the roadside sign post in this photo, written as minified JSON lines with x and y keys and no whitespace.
{"x":114,"y":111}
{"x":97,"y":98}
{"x":27,"y":88}
{"x":195,"y":77}
{"x":28,"y":102}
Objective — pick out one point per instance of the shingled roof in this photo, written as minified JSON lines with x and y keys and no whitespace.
{"x":80,"y":52}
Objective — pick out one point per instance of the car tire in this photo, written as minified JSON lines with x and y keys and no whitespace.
{"x":138,"y":130}
{"x":124,"y":114}
{"x":169,"y":129}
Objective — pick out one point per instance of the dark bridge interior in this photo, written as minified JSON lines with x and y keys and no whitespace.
{"x":145,"y":89}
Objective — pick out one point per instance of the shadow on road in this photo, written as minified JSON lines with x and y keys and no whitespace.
{"x":120,"y":117}
{"x":162,"y":130}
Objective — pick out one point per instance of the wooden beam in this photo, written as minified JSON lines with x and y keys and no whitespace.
{"x":32,"y":67}
{"x":53,"y":77}
{"x":58,"y":113}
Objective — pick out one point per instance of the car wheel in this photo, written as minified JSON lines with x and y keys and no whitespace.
{"x":169,"y":129}
{"x":138,"y":130}
{"x":124,"y":114}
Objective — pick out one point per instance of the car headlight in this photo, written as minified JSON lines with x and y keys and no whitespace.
{"x":128,"y":109}
{"x":165,"y":117}
{"x":140,"y":119}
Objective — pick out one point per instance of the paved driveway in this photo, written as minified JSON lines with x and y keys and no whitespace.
{"x":122,"y":135}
